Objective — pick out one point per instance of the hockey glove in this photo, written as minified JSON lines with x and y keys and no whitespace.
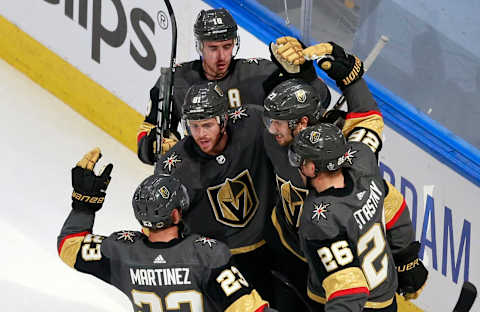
{"x":412,"y":274}
{"x":88,"y":188}
{"x":342,"y":67}
{"x":288,"y":51}
{"x":147,"y":143}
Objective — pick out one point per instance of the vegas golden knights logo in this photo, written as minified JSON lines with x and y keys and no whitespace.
{"x":293,"y":199}
{"x":235,"y":201}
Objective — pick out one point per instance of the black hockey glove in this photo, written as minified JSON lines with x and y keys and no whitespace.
{"x":412,"y":274}
{"x":342,"y":67}
{"x":336,"y":117}
{"x":88,"y":188}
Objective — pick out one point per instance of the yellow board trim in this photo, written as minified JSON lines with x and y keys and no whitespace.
{"x":69,"y":84}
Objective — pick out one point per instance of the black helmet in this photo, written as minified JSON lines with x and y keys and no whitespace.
{"x":155,"y":199}
{"x":295,"y":98}
{"x":215,"y":25}
{"x":324,"y":144}
{"x":203,"y":101}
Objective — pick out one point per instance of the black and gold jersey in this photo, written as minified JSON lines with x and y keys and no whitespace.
{"x":242,"y":84}
{"x":232,"y":193}
{"x":343,"y":236}
{"x":192,"y":273}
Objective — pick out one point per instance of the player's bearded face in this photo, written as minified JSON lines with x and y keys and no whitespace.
{"x":217,"y":56}
{"x":280,"y":130}
{"x":206,"y":133}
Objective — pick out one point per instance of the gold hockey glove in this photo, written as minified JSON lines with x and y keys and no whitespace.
{"x":342,"y":67}
{"x":89,"y":188}
{"x":288,"y":51}
{"x":412,"y":274}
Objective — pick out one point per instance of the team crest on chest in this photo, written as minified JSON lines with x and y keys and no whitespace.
{"x":238,"y":113}
{"x":171,"y":162}
{"x":235,"y":201}
{"x":293,"y":199}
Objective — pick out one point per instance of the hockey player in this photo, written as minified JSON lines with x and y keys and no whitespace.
{"x":342,"y":232}
{"x":228,"y":176}
{"x":245,"y":81}
{"x":292,"y":106}
{"x":165,"y":268}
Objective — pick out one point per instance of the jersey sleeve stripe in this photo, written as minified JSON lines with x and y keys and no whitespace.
{"x":347,"y":281}
{"x":82,"y":234}
{"x":69,"y":248}
{"x":397,"y":215}
{"x":250,"y":302}
{"x":394,"y":205}
{"x":351,"y":291}
{"x":372,"y":121}
{"x":141,"y":135}
{"x":363,"y":114}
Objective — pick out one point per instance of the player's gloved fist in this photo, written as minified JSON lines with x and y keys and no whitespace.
{"x":342,"y":67}
{"x":287,"y":52}
{"x":290,"y":50}
{"x":147,"y":142}
{"x":89,"y":188}
{"x":168,"y":143}
{"x":412,"y":274}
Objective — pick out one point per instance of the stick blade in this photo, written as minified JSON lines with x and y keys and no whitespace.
{"x":467,"y":298}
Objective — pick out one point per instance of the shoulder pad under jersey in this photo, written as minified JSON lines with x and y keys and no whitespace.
{"x":212,"y":253}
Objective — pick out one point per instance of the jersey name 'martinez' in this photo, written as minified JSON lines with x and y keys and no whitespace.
{"x":160,"y":277}
{"x":364,"y":214}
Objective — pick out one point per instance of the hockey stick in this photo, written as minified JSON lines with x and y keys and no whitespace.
{"x":466,"y":298}
{"x":279,"y":276}
{"x":366,"y":65}
{"x":165,"y":85}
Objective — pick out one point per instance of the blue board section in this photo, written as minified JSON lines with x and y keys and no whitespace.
{"x":398,"y":114}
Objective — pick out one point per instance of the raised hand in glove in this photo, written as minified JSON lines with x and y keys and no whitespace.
{"x":412,"y":274}
{"x":89,"y":188}
{"x":147,"y":143}
{"x":288,"y":51}
{"x":342,"y":67}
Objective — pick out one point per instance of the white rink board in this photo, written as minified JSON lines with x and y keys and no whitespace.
{"x":109,"y":61}
{"x":443,"y":201}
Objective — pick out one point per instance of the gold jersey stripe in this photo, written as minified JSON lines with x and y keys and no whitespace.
{"x":250,"y":302}
{"x":70,"y":249}
{"x":282,"y":238}
{"x":368,"y":304}
{"x":248,"y":248}
{"x":372,"y":122}
{"x":393,"y":202}
{"x":344,"y":279}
